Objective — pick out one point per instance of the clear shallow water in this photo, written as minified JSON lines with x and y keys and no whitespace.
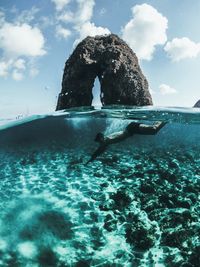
{"x":135,"y":205}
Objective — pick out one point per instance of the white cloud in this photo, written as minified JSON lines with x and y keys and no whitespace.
{"x":82,"y":15}
{"x":85,"y":11}
{"x":182,"y":48}
{"x":46,"y":22}
{"x":21,"y":40}
{"x":102,"y":11}
{"x":60,"y":4}
{"x":16,"y":75}
{"x":81,"y":21}
{"x":20,"y":64}
{"x":83,"y":25}
{"x":66,"y":17}
{"x":90,"y":29}
{"x":16,"y":68}
{"x":20,"y":43}
{"x":145,"y":30}
{"x":27,"y":16}
{"x":33,"y":72}
{"x":4,"y":68}
{"x":2,"y":18}
{"x":62,"y":32}
{"x":167,"y":90}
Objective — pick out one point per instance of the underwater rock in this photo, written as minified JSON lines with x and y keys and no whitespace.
{"x":174,"y":238}
{"x":121,"y":199}
{"x":147,"y":189}
{"x":197,"y":105}
{"x":194,"y":258}
{"x":110,"y":223}
{"x":82,"y":263}
{"x":47,"y":258}
{"x":139,"y":233}
{"x":111,"y":60}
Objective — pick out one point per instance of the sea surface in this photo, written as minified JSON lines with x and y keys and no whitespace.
{"x":137,"y":204}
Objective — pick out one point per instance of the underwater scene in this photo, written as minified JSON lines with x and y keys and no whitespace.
{"x":136,"y":203}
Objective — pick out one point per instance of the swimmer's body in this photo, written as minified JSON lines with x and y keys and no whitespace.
{"x":130,"y":130}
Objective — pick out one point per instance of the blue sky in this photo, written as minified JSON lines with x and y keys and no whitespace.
{"x":36,"y":38}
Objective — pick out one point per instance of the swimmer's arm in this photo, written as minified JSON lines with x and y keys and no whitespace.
{"x":151,"y":129}
{"x":97,"y":153}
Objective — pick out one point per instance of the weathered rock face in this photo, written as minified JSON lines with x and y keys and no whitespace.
{"x":197,"y":105}
{"x":111,"y":60}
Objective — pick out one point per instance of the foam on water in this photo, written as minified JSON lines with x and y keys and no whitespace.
{"x":135,"y":205}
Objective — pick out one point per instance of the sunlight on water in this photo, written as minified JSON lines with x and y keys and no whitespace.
{"x":137,"y":204}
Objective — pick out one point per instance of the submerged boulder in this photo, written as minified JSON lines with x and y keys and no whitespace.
{"x":114,"y":63}
{"x":197,"y":105}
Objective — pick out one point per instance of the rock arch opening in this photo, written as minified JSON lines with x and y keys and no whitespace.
{"x":96,"y":93}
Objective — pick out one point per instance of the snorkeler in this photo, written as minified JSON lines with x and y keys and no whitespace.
{"x":130,"y":130}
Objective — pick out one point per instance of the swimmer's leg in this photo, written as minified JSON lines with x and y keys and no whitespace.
{"x":151,"y":129}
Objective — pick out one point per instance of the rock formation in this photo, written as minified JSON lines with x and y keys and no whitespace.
{"x":197,"y":105}
{"x":111,"y":60}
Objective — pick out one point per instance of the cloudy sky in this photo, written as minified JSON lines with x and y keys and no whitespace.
{"x":36,"y":38}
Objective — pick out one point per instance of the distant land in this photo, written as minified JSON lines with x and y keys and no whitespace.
{"x":197,"y":105}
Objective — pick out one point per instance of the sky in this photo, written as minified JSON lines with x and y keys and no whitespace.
{"x":37,"y":37}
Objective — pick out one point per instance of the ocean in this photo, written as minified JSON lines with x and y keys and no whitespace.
{"x":136,"y":204}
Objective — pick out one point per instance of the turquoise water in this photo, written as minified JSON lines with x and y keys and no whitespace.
{"x":137,"y":204}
